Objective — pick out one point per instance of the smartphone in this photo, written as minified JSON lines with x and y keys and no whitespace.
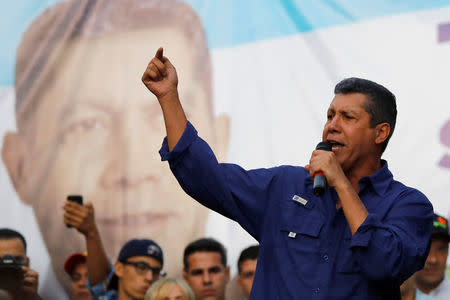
{"x":77,"y":199}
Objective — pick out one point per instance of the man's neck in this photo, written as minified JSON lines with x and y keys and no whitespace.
{"x":355,"y":174}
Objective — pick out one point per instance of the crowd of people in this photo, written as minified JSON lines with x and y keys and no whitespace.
{"x":372,"y":230}
{"x":138,"y":272}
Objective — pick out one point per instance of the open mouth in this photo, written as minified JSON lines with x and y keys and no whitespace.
{"x":335,"y":145}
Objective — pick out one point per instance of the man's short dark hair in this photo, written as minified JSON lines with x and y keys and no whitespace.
{"x":9,"y":234}
{"x":246,"y":254}
{"x":205,"y":245}
{"x":381,"y":106}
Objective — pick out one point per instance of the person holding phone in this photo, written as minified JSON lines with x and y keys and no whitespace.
{"x":139,"y":263}
{"x":81,"y":217}
{"x":16,"y":276}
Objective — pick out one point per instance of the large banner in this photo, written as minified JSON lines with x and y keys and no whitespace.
{"x":256,"y":79}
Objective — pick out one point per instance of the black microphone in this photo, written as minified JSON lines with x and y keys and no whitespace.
{"x":320,"y":181}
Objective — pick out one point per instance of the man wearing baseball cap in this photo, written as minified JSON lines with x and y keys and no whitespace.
{"x":431,"y":279}
{"x":139,"y":264}
{"x":76,"y":267}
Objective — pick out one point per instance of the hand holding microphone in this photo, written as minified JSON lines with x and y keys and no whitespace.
{"x":320,"y":181}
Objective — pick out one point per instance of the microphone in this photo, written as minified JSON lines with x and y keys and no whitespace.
{"x":320,"y":181}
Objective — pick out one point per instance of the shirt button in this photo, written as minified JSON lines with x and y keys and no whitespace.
{"x":325,"y":257}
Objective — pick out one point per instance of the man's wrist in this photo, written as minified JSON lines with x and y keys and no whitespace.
{"x":343,"y":186}
{"x":169,"y":98}
{"x":92,"y":233}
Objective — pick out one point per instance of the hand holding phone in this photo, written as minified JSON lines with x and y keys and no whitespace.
{"x":77,"y":199}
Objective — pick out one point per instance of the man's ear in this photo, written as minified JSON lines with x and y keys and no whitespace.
{"x":13,"y":155}
{"x":222,"y":135}
{"x":185,"y":275}
{"x":382,"y":131}
{"x":227,"y":273}
{"x":118,"y":269}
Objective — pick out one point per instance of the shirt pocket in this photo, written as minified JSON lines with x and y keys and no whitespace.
{"x":300,"y":227}
{"x":347,"y":263}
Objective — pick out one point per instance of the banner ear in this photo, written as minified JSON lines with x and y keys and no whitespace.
{"x":13,"y":155}
{"x":222,"y":136}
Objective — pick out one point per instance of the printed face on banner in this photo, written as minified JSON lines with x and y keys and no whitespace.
{"x":97,"y":132}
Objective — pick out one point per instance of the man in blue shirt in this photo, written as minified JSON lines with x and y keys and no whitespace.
{"x":360,"y":240}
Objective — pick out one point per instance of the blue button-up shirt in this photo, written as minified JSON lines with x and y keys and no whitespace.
{"x":307,"y":250}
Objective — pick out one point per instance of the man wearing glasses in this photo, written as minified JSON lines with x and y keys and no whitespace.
{"x":16,"y":276}
{"x":139,"y":263}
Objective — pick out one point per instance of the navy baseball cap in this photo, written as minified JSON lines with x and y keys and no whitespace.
{"x":440,"y":227}
{"x":143,"y":247}
{"x":137,"y":247}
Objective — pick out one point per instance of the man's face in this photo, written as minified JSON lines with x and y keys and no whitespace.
{"x":246,"y":276}
{"x":348,"y":129}
{"x":78,"y":278}
{"x":14,"y":247}
{"x":11,"y":279}
{"x":97,"y":132}
{"x":135,"y":277}
{"x":207,"y":276}
{"x":433,"y":272}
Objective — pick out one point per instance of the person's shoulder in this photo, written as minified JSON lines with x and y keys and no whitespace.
{"x":409,"y":193}
{"x":288,"y":172}
{"x":288,"y":169}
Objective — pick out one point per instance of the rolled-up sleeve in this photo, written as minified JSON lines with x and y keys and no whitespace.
{"x":395,"y":247}
{"x":100,"y":290}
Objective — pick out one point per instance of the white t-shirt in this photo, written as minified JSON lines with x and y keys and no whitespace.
{"x":442,"y":291}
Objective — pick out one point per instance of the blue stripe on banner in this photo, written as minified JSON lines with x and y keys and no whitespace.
{"x":229,"y":22}
{"x":233,"y":22}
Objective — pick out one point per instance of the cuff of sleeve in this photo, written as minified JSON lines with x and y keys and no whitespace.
{"x":100,"y":288}
{"x":363,"y":235}
{"x":189,"y":135}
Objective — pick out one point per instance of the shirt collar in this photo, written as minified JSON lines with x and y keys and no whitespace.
{"x":380,"y":180}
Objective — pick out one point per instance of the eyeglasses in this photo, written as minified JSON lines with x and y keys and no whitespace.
{"x":142,"y":268}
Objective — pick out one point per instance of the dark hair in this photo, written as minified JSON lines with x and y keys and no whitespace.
{"x":205,"y":245}
{"x":9,"y":234}
{"x":248,"y":253}
{"x":380,"y":106}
